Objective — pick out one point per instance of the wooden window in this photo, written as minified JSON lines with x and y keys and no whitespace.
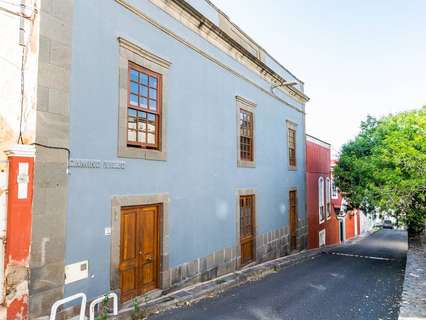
{"x":246,"y":135}
{"x":144,"y":108}
{"x":292,"y":147}
{"x":321,"y":199}
{"x":328,"y":197}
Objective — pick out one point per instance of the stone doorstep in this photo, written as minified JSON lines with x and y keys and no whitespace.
{"x":200,"y":291}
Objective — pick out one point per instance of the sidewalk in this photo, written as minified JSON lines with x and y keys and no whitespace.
{"x":413,"y":304}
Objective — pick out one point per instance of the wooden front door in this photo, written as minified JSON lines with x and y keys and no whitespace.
{"x":139,"y":250}
{"x":247,"y":229}
{"x":293,"y":219}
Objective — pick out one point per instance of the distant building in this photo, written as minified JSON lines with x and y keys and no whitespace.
{"x":349,"y":224}
{"x":322,"y":221}
{"x":329,"y":220}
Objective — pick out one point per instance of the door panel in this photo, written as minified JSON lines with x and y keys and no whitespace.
{"x":293,"y":220}
{"x":150,"y":247}
{"x":128,"y":256}
{"x":139,"y":254}
{"x":247,"y":229}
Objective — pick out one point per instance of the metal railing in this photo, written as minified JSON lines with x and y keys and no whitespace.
{"x":58,"y":303}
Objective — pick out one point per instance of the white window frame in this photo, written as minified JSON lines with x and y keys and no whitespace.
{"x":327,"y":198}
{"x":321,"y":202}
{"x":334,"y":191}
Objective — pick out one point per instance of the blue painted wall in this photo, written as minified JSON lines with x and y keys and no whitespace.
{"x":201,"y":171}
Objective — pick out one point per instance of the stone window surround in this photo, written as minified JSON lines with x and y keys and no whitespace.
{"x":243,"y":103}
{"x":134,"y":53}
{"x":119,"y":201}
{"x":238,"y":194}
{"x":291,"y":125}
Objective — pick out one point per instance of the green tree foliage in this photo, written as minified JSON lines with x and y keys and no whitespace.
{"x":384,"y":167}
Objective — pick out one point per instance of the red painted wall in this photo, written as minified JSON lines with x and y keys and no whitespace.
{"x":349,"y":225}
{"x":332,"y":230}
{"x":318,"y":165}
{"x":19,"y":213}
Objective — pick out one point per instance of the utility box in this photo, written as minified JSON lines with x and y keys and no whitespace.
{"x":76,"y":271}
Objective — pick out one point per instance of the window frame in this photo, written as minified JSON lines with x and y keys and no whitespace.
{"x":291,"y":126}
{"x":321,"y":202}
{"x":246,"y":155}
{"x":247,"y":106}
{"x":158,"y":112}
{"x":131,"y":53}
{"x":334,"y":190}
{"x":327,"y":198}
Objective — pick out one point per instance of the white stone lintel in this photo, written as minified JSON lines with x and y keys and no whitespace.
{"x":21,"y":150}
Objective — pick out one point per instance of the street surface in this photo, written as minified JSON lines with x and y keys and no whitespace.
{"x":359,"y":281}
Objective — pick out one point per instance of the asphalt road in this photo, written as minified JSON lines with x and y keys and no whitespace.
{"x":358,"y":281}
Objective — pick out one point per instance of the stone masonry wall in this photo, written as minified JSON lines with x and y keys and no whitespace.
{"x":270,"y":245}
{"x":51,"y":178}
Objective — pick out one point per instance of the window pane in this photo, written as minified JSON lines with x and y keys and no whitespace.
{"x":134,"y":87}
{"x":143,"y":102}
{"x":131,"y":123}
{"x":144,"y":91}
{"x":131,"y":135}
{"x":153,"y":104}
{"x":151,"y":138}
{"x":151,"y":117}
{"x":152,"y":93}
{"x":134,"y":75}
{"x":153,"y":82}
{"x":133,"y":100}
{"x":144,"y":79}
{"x":151,"y":123}
{"x":142,"y":137}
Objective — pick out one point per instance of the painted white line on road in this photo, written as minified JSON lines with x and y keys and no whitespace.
{"x":359,"y":256}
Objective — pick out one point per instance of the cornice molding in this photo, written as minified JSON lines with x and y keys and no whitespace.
{"x":318,"y":141}
{"x":167,"y":31}
{"x":193,"y":19}
{"x":143,"y":53}
{"x":245,"y":102}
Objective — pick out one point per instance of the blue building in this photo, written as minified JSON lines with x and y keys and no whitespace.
{"x":187,"y":150}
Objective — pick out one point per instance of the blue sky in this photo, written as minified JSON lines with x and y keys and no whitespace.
{"x":355,"y":57}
